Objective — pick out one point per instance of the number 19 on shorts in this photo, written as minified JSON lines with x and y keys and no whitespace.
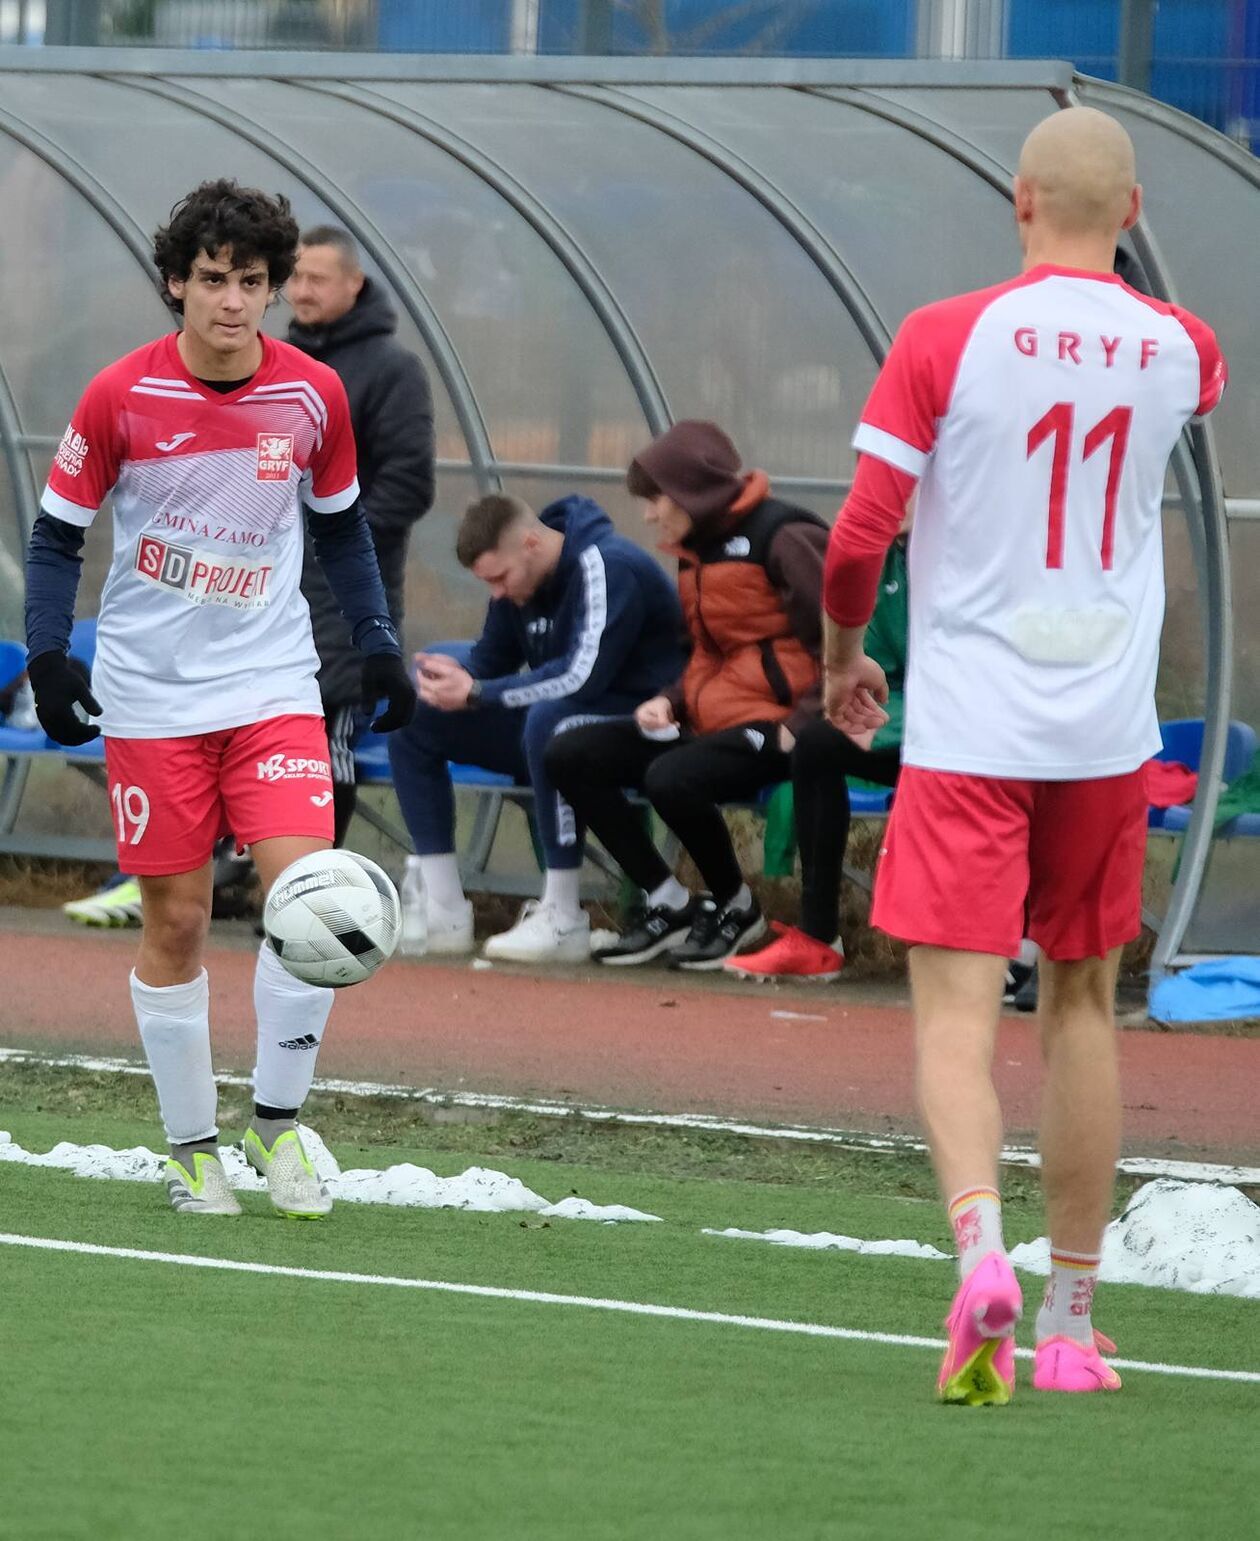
{"x":131,"y":812}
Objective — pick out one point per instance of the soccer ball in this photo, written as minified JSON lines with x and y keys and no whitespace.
{"x":332,"y":918}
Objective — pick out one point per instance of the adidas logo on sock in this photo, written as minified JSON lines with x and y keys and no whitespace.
{"x":306,"y":1041}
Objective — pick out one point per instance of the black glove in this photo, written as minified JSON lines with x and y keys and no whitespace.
{"x":59,"y":683}
{"x":385,"y":678}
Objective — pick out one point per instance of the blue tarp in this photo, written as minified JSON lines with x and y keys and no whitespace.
{"x":1226,"y":988}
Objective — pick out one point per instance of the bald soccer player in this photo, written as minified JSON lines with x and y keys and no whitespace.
{"x":1036,"y":418}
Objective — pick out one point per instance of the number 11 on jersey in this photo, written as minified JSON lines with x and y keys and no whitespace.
{"x":1058,"y":424}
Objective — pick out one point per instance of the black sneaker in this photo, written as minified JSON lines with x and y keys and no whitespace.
{"x":716,"y":934}
{"x":1017,"y":975}
{"x":1026,"y":995}
{"x":654,"y":930}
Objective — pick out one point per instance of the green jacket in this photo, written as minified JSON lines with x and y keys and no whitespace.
{"x":886,"y":644}
{"x":886,"y":640}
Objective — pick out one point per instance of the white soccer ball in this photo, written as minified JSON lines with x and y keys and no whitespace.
{"x":332,"y":918}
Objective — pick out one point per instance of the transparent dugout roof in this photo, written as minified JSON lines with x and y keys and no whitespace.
{"x":580,"y":251}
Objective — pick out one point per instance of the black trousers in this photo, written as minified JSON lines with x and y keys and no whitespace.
{"x":685,"y":780}
{"x":343,"y":722}
{"x":821,"y":759}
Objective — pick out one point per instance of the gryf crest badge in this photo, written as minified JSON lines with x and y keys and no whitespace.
{"x":275,"y":456}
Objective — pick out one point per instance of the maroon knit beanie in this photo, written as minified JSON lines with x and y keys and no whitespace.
{"x":695,"y":464}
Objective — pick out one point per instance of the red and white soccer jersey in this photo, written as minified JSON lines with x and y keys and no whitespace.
{"x":202,"y":622}
{"x":1039,"y":416}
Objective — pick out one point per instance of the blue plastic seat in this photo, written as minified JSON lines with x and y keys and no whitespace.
{"x":1183,"y":745}
{"x":371,"y":760}
{"x":475,"y":776}
{"x":12,"y":662}
{"x":16,"y":740}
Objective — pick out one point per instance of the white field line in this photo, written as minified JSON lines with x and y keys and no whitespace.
{"x":1012,"y":1155}
{"x":593,"y":1303}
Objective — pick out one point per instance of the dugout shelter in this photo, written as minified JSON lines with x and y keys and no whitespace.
{"x":584,"y":250}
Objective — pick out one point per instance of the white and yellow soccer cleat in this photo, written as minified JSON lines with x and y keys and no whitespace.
{"x":204,"y":1190}
{"x":292,"y":1182}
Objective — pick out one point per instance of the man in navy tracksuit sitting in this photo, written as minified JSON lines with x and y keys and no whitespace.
{"x":582,"y":624}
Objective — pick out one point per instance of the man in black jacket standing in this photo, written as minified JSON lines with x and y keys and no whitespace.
{"x":343,"y":318}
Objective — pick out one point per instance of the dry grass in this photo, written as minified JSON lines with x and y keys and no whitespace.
{"x":41,"y":884}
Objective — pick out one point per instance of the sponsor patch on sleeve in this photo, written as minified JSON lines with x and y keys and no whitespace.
{"x":72,"y":452}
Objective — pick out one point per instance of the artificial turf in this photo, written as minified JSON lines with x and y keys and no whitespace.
{"x":143,"y":1400}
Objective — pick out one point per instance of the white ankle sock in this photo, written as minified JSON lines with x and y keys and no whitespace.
{"x":292,"y":1017}
{"x":1069,"y":1298}
{"x":976,"y":1217}
{"x":174,"y":1023}
{"x":670,"y":893}
{"x":441,"y":880}
{"x":740,"y":900}
{"x":560,"y":890}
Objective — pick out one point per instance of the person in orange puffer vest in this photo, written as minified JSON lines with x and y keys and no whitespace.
{"x":750,"y":580}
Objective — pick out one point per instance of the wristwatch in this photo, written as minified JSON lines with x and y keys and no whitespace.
{"x":474,"y":694}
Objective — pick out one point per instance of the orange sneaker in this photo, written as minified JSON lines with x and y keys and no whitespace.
{"x":792,"y":955}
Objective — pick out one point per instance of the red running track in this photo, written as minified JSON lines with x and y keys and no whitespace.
{"x":826,"y":1055}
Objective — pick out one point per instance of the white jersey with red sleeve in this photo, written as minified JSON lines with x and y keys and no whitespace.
{"x":202,"y":621}
{"x":1039,"y":417}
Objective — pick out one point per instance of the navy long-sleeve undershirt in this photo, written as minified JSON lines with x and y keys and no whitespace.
{"x":53,"y":562}
{"x":344,"y":549}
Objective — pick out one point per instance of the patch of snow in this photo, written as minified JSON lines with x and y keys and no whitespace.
{"x":405,"y":1185}
{"x":415,"y":1187}
{"x":825,"y":1241}
{"x":1184,"y":1236}
{"x":1195,"y":1236}
{"x":583,"y":1209}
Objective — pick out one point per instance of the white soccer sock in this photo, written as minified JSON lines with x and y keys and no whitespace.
{"x":1069,"y":1298}
{"x":976,"y":1216}
{"x":441,"y":880}
{"x":174,"y":1022}
{"x":671,"y":894}
{"x":560,"y":890}
{"x":292,"y":1017}
{"x":1028,"y":954}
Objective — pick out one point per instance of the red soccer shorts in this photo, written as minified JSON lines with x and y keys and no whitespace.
{"x":172,"y":798}
{"x":976,"y":862}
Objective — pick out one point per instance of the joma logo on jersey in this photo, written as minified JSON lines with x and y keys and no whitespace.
{"x":275,"y":456}
{"x":238,"y":585}
{"x":282,"y":767}
{"x":71,"y":452}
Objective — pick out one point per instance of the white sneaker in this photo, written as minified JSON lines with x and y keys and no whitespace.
{"x":292,"y":1182}
{"x":204,"y":1190}
{"x":543,"y":935}
{"x":446,"y":931}
{"x":429,"y":929}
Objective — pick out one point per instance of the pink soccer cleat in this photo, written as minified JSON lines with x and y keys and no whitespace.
{"x":1065,"y":1364}
{"x":979,"y":1365}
